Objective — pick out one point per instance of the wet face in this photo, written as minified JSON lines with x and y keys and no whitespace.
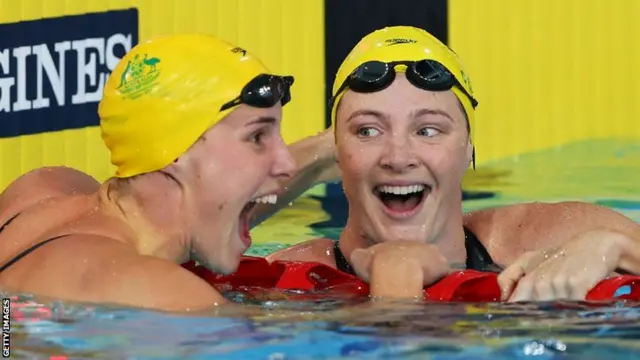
{"x":403,"y":152}
{"x":236,"y":164}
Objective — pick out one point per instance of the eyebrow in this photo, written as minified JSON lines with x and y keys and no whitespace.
{"x":262,"y":120}
{"x":422,"y":112}
{"x":365,"y":112}
{"x":414,"y":114}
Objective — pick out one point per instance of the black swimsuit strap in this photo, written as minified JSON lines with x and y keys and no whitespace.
{"x":9,"y":222}
{"x":478,"y":257}
{"x":341,"y":262}
{"x":27,"y":252}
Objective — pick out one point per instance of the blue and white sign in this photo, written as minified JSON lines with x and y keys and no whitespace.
{"x":53,"y":71}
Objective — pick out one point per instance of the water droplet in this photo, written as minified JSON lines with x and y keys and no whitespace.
{"x":277,"y":356}
{"x":533,"y":349}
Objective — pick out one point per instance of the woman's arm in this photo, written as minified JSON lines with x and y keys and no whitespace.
{"x":315,"y":161}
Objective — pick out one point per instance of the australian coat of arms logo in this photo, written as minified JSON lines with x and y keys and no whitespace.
{"x":139,"y":76}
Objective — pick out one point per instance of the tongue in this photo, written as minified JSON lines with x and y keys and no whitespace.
{"x":245,"y":231}
{"x":245,"y":234}
{"x":400,"y":203}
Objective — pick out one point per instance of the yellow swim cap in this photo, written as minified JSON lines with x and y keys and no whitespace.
{"x":404,"y":43}
{"x":165,"y":93}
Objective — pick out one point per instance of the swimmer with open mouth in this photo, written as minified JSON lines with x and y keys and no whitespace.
{"x":403,"y":112}
{"x":193,"y":129}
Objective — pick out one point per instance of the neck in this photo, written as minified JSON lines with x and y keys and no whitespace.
{"x":153,"y":224}
{"x":450,"y":239}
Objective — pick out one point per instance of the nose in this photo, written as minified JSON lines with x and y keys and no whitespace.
{"x":284,"y":166}
{"x":399,"y":156}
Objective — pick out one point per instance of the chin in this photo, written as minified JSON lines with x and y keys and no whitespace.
{"x":398,"y":232}
{"x":225,"y":267}
{"x":219,"y":260}
{"x":228,"y":270}
{"x":381,"y":228}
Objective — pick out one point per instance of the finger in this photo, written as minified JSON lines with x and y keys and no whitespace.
{"x":581,"y":283}
{"x":361,"y":263}
{"x":551,"y":281}
{"x":578,"y":287}
{"x":571,"y":283}
{"x":572,"y":275}
{"x":579,"y":294}
{"x":543,"y":289}
{"x":560,"y":286}
{"x":510,"y":276}
{"x":523,"y":290}
{"x":508,"y":279}
{"x":434,"y":265}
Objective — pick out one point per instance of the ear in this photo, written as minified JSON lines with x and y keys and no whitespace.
{"x":471,"y":154}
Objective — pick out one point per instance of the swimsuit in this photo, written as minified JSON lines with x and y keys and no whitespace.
{"x":477,"y":256}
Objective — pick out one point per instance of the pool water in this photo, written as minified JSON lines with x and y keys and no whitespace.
{"x":603,"y":172}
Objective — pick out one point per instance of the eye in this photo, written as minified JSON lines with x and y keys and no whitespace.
{"x":368,"y":132}
{"x":258,"y":137}
{"x":428,"y":131}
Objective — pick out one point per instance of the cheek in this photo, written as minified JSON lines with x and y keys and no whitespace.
{"x":355,"y":166}
{"x":353,"y":162}
{"x":448,"y":161}
{"x":245,"y":171}
{"x":220,"y":177}
{"x":212,"y":184}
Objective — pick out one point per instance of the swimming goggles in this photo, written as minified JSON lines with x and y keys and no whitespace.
{"x":373,"y":76}
{"x":264,"y":91}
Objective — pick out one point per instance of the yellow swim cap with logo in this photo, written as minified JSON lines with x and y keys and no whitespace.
{"x":404,"y":43}
{"x":167,"y":92}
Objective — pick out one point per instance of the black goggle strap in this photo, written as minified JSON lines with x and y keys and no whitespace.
{"x":288,"y":82}
{"x":232,"y":103}
{"x":473,"y":158}
{"x":342,"y":88}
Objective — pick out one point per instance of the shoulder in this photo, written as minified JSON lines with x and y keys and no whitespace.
{"x":318,"y":250}
{"x":44,"y":183}
{"x":574,"y":213}
{"x":510,"y":230}
{"x":161,"y":284}
{"x":104,"y":270}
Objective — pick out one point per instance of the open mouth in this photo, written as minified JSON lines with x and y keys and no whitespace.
{"x":402,"y":200}
{"x":245,"y":215}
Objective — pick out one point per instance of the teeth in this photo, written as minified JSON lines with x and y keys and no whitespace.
{"x":267,"y":199}
{"x":401,"y":190}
